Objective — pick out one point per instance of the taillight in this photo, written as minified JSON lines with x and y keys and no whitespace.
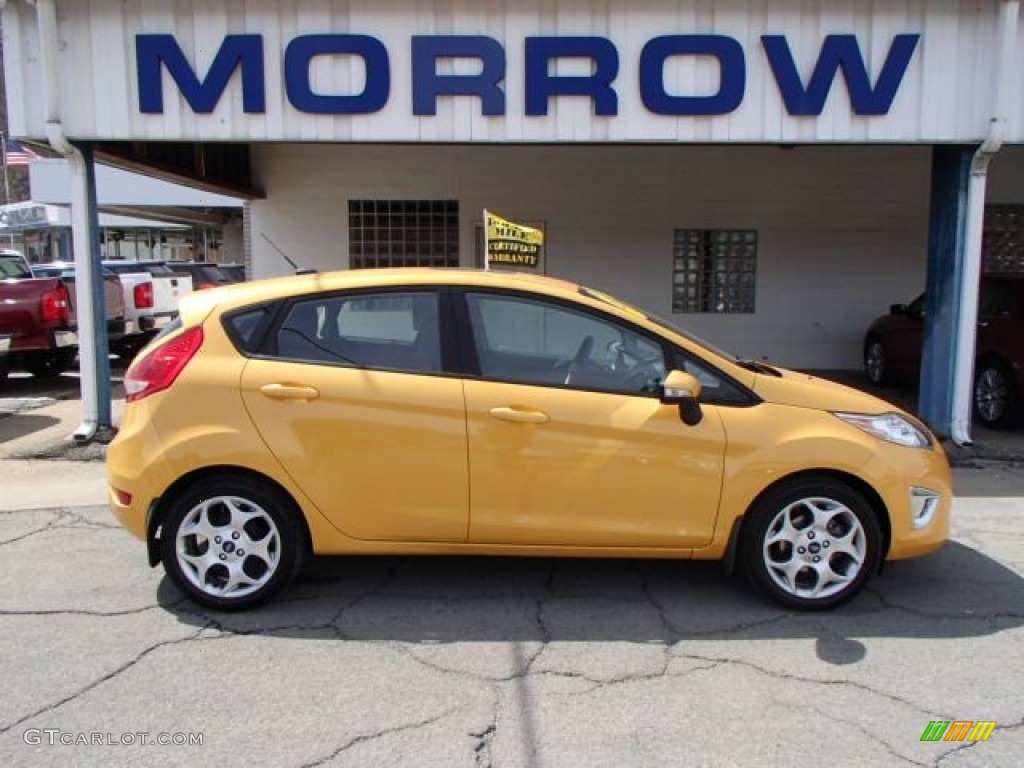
{"x":205,"y":286}
{"x":144,"y":296}
{"x":159,"y":368}
{"x":56,"y":307}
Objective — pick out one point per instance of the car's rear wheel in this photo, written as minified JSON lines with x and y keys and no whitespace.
{"x":811,"y":544}
{"x":232,"y":541}
{"x":875,"y":362}
{"x":995,"y":401}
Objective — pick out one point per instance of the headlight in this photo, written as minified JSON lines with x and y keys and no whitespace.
{"x":890,"y":427}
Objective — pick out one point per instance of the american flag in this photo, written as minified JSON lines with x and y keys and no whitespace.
{"x":15,"y":153}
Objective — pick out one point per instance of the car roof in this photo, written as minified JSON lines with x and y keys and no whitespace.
{"x":224,"y":298}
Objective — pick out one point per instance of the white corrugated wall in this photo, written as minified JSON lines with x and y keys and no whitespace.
{"x":945,"y":94}
{"x":842,"y":231}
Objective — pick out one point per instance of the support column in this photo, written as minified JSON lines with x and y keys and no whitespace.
{"x":951,"y":171}
{"x":94,"y":353}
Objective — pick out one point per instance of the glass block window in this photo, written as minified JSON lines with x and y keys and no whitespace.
{"x":714,"y":270}
{"x":403,"y":233}
{"x":1002,"y":249}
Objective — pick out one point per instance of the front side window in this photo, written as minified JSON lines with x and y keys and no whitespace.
{"x":538,"y":342}
{"x":391,"y":331}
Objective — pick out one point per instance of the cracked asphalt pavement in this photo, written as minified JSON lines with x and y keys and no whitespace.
{"x":509,"y":662}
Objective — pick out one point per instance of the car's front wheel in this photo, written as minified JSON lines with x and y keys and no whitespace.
{"x":231,"y":542}
{"x":812,"y":543}
{"x":995,"y":401}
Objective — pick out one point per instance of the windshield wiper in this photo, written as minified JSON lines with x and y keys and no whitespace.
{"x":759,"y":367}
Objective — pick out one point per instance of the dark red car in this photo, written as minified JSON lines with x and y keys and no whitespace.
{"x":892,"y":348}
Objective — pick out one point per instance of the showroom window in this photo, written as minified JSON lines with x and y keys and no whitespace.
{"x":403,"y":233}
{"x":714,"y":270}
{"x":1003,"y":244}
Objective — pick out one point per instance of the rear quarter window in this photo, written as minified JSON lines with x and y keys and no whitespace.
{"x":245,"y":327}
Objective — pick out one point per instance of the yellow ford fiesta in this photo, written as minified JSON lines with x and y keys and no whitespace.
{"x":445,"y":412}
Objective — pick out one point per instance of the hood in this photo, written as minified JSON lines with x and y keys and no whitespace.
{"x":803,"y":391}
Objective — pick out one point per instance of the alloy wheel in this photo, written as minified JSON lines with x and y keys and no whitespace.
{"x":991,"y":395}
{"x":874,"y":362}
{"x":228,"y":547}
{"x":814,"y":548}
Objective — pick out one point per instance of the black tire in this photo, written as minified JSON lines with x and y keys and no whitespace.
{"x":876,"y":366}
{"x":996,"y":401}
{"x":48,"y":365}
{"x":827,"y":519}
{"x":239,"y":511}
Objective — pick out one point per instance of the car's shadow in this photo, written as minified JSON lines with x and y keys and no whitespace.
{"x":956,"y":592}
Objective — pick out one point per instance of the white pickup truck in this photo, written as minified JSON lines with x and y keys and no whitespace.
{"x":151,"y":295}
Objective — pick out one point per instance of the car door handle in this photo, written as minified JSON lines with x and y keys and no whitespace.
{"x":289,"y":392}
{"x":520,"y":415}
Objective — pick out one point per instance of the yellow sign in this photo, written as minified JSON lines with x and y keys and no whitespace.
{"x":510,"y":243}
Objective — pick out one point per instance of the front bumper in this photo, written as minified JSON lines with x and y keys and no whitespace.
{"x":920,"y":503}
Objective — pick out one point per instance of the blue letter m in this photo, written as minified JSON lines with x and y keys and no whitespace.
{"x":237,"y":51}
{"x":840,"y":52}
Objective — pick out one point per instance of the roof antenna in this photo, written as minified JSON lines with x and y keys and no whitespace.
{"x":298,"y":270}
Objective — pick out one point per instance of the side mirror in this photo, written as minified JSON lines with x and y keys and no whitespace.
{"x":897,"y":309}
{"x":683,"y":389}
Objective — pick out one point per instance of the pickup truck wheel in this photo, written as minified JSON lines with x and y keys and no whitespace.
{"x":49,"y":365}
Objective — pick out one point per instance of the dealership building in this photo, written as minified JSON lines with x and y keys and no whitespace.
{"x":770,"y":174}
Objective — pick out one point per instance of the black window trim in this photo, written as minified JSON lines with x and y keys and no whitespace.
{"x":259,"y":334}
{"x":266,"y":348}
{"x":469,"y":363}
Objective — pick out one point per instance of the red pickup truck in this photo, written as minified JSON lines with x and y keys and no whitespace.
{"x":38,"y":315}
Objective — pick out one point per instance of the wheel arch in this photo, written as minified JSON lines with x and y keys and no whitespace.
{"x":870,"y":495}
{"x":158,"y":509}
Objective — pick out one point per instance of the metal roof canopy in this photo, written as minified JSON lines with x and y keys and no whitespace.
{"x":128,"y":193}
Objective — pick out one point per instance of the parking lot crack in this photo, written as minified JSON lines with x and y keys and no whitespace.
{"x":963,"y":747}
{"x":79,"y":612}
{"x":378,"y":735}
{"x":678,"y":633}
{"x":103,"y":679}
{"x":61,"y":519}
{"x":856,"y":726}
{"x":942,"y":616}
{"x":483,"y":745}
{"x":777,"y":675}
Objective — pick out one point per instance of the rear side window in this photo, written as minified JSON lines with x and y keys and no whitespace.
{"x":13,"y":266}
{"x":243,"y":327}
{"x":391,"y":331}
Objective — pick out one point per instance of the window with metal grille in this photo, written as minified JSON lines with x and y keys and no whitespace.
{"x":403,"y":233}
{"x":1003,"y":244}
{"x":714,"y":270}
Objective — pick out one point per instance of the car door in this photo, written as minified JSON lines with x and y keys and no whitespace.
{"x":569,"y":443}
{"x":351,"y":397}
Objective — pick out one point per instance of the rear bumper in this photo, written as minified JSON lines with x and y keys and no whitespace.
{"x":44,"y":340}
{"x":156,"y":322}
